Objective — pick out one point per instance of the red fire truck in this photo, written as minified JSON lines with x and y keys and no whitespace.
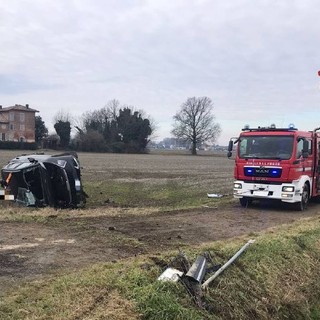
{"x":276,"y":163}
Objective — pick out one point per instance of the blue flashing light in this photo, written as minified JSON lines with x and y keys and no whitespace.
{"x":275,"y":173}
{"x":291,"y":126}
{"x":248,"y":171}
{"x":265,"y":172}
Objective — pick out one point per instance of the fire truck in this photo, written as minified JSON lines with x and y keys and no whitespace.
{"x":276,"y":163}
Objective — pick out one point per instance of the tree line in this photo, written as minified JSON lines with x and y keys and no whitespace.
{"x":122,"y":129}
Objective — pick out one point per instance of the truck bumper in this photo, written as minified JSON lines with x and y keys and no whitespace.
{"x":286,"y":192}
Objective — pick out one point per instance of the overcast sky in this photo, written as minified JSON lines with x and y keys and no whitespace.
{"x":256,"y":59}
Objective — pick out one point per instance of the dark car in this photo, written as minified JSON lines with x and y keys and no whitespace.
{"x":45,"y":180}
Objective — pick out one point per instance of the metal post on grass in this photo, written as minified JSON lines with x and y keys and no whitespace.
{"x":227,"y":264}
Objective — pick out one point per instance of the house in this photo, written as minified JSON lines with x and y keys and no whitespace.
{"x":17,"y":123}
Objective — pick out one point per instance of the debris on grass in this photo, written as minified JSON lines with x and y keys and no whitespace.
{"x":192,"y":276}
{"x":171,"y":274}
{"x":227,"y":264}
{"x":198,"y":269}
{"x":214,"y":195}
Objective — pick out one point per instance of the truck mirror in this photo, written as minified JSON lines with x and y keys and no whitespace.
{"x":305,"y":150}
{"x":230,"y":147}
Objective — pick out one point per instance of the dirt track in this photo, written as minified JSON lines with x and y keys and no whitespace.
{"x":33,"y":250}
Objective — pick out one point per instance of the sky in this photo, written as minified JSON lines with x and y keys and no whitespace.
{"x":258,"y":60}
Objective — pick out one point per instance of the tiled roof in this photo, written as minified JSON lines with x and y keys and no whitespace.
{"x":19,"y":107}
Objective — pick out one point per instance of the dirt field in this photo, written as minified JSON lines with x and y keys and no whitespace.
{"x":31,"y":250}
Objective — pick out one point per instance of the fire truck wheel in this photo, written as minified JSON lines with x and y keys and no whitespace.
{"x":245,"y":202}
{"x":303,"y":204}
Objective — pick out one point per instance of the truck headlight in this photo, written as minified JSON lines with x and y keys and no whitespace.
{"x":288,"y":189}
{"x":237,"y":185}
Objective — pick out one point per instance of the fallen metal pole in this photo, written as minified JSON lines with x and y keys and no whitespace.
{"x":227,"y":264}
{"x":197,"y":270}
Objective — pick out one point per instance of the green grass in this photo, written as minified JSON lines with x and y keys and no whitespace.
{"x":276,"y":278}
{"x":165,"y":196}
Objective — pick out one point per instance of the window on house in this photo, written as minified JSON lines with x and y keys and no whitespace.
{"x":22,"y":117}
{"x":22,"y":127}
{"x":11,"y":116}
{"x":3,"y":136}
{"x":11,"y":126}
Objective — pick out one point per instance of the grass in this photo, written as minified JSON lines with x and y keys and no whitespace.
{"x":277,"y":277}
{"x":155,"y":181}
{"x":168,"y":196}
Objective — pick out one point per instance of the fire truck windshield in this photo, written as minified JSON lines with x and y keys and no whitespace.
{"x":266,"y":147}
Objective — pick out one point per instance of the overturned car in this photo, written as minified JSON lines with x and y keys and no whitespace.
{"x":41,"y":180}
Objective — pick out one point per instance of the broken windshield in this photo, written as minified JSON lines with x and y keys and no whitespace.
{"x":266,"y":147}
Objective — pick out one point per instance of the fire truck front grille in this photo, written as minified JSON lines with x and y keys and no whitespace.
{"x":262,"y":172}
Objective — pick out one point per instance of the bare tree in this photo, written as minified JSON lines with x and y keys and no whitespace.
{"x":122,"y":128}
{"x":113,"y":107}
{"x":97,"y":119}
{"x":63,"y":116}
{"x":195,"y":122}
{"x":62,"y":125}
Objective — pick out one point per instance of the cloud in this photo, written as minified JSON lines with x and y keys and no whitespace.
{"x":13,"y":84}
{"x":255,"y":60}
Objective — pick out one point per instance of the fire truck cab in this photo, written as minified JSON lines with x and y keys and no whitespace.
{"x":276,"y":163}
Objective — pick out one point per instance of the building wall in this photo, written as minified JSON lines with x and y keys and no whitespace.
{"x":17,"y":125}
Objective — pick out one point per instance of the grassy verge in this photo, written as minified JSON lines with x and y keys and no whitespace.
{"x":277,"y":278}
